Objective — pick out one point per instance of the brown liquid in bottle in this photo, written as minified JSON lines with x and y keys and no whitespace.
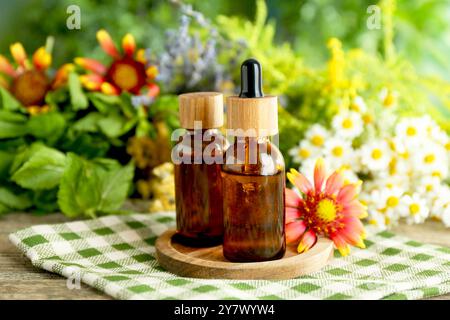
{"x":254,"y":207}
{"x":198,"y":192}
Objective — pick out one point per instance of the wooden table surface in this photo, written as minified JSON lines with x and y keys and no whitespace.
{"x":20,"y":280}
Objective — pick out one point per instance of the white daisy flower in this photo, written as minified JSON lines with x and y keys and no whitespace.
{"x":303,"y":151}
{"x":377,"y":219}
{"x":317,"y":135}
{"x":376,"y":155}
{"x":414,"y":208}
{"x":388,"y":201}
{"x":429,"y":186}
{"x":358,"y":105}
{"x":388,"y":98}
{"x":446,"y":216}
{"x":411,"y":129}
{"x":339,"y":152}
{"x":441,"y":201}
{"x":431,"y":158}
{"x":348,"y":124}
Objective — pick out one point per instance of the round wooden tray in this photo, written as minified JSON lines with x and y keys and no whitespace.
{"x":210,"y":263}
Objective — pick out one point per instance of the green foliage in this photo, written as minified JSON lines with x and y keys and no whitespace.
{"x":77,"y":96}
{"x":89,"y":188}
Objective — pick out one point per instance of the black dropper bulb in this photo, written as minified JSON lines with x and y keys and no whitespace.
{"x":251,"y":79}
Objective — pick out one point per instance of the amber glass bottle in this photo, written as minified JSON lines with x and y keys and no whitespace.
{"x":253,"y":175}
{"x":198,"y":183}
{"x":254,"y":203}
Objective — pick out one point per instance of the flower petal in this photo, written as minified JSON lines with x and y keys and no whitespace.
{"x":334,"y":183}
{"x":295,"y":230}
{"x":6,"y":67}
{"x":151,"y":72}
{"x":91,"y":65}
{"x":92,"y":81}
{"x":109,"y":89}
{"x":62,"y":75}
{"x":347,"y":193}
{"x":353,"y":232}
{"x":341,"y":245}
{"x":292,"y":214}
{"x":18,"y":53}
{"x":308,"y":240}
{"x":355,"y":209}
{"x":300,"y":181}
{"x":319,"y":174}
{"x":42,"y":59}
{"x":140,"y":56}
{"x":107,"y":44}
{"x":153,"y":90}
{"x":128,"y":44}
{"x":292,"y":199}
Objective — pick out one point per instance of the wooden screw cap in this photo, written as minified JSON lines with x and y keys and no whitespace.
{"x":206,"y":107}
{"x":254,"y":116}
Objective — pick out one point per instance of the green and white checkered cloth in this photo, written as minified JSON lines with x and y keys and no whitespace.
{"x":116,"y":255}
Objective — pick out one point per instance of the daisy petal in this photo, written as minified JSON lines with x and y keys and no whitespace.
{"x":295,"y":230}
{"x":91,"y":65}
{"x":319,"y":174}
{"x":334,"y":183}
{"x":6,"y":67}
{"x":107,"y":44}
{"x":300,"y":181}
{"x":18,"y":53}
{"x":308,"y":240}
{"x":292,"y":199}
{"x":42,"y":59}
{"x":128,"y":44}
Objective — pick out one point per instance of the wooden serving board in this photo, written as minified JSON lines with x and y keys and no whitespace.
{"x":209,"y":263}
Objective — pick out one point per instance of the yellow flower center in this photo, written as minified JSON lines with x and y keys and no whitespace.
{"x":411,"y":131}
{"x":429,"y":158}
{"x":367,"y":118}
{"x":429,"y":187}
{"x":125,"y":76}
{"x":447,"y":146}
{"x":304,"y":153}
{"x":436,"y":174}
{"x":317,"y":140}
{"x":392,"y":201}
{"x":377,"y":154}
{"x":389,"y":100}
{"x":338,"y":151}
{"x":347,"y":123}
{"x":326,"y":210}
{"x":414,"y":208}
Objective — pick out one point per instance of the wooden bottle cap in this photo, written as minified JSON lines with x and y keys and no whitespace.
{"x":206,"y":107}
{"x":255,"y":117}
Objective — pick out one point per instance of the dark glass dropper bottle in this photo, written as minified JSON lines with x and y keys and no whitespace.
{"x":253,"y":175}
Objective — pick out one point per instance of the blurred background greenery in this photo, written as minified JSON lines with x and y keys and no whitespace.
{"x":422,"y":26}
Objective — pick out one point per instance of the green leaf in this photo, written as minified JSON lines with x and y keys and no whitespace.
{"x":77,"y":96}
{"x":42,"y":171}
{"x":112,"y":125}
{"x":89,"y":123}
{"x":8,"y":102}
{"x":46,"y":201}
{"x":6,"y":161}
{"x":114,"y":187}
{"x":4,"y":209}
{"x":14,"y":199}
{"x":93,"y":187}
{"x":104,"y":103}
{"x":79,"y":189}
{"x":47,"y":126}
{"x":12,"y":125}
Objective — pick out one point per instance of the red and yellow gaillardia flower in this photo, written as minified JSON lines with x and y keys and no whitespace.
{"x":28,"y":81}
{"x":327,"y":207}
{"x":128,"y":72}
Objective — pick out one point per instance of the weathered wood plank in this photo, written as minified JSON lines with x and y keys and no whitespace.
{"x":20,"y":280}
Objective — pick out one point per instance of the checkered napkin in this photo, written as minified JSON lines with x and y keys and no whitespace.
{"x":116,"y":255}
